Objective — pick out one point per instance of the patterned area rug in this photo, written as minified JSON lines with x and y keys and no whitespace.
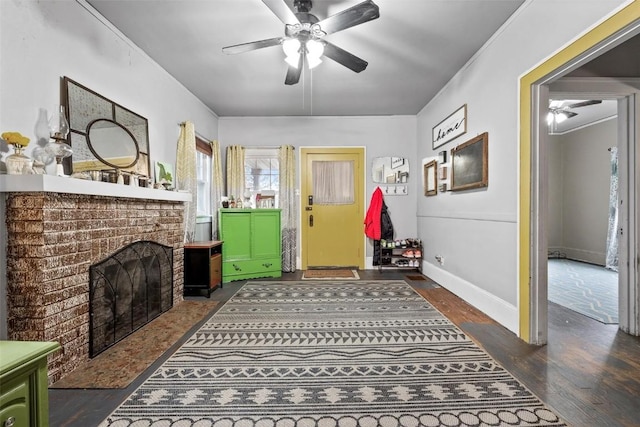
{"x":586,"y":288}
{"x":330,"y":274}
{"x":357,"y":353}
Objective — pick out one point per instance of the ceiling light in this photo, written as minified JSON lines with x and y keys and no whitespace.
{"x":291,"y":47}
{"x":550,"y":117}
{"x":315,"y":49}
{"x":557,"y":116}
{"x":293,"y":60}
{"x":560,"y":117}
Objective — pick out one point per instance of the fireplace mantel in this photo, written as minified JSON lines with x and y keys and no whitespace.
{"x":58,"y":184}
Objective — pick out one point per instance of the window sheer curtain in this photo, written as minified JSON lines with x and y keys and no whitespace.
{"x":216,"y":187}
{"x":235,"y":171}
{"x":333,"y":182}
{"x":186,"y":178}
{"x":287,"y":172}
{"x":612,"y":233}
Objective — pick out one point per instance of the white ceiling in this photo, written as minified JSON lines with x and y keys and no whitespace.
{"x":413,"y":50}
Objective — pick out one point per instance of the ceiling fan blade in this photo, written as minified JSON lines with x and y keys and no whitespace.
{"x":584,"y":103}
{"x":356,"y":15}
{"x":343,"y":57}
{"x":282,"y":11}
{"x":293,"y":73}
{"x":246,"y":47}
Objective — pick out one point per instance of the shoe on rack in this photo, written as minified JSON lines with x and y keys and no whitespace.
{"x":417,"y":254}
{"x":408,"y":254}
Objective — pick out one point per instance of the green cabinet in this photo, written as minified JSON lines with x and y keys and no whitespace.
{"x":252,"y":243}
{"x":24,"y":394}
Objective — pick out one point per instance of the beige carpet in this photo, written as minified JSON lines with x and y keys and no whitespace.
{"x":330,"y":274}
{"x":119,"y":365}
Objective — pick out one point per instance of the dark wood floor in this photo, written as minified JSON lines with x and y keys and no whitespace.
{"x":589,"y":373}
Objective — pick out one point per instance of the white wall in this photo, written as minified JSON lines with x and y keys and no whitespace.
{"x":554,"y":225}
{"x":381,"y":135}
{"x":476,"y":231}
{"x":582,"y":204}
{"x":40,"y":42}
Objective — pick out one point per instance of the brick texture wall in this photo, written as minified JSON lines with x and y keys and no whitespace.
{"x":53,"y":238}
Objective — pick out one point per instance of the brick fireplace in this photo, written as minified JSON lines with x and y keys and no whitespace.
{"x":52,"y":240}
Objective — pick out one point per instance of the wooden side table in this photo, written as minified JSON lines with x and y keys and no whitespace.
{"x":24,"y":393}
{"x":203,"y":266}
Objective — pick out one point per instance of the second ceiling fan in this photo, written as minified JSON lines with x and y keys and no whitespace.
{"x":304,"y":42}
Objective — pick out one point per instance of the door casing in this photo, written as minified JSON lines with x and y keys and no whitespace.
{"x":532,"y":289}
{"x":360,"y":199}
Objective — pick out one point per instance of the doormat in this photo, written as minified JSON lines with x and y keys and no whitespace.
{"x":415,"y":277}
{"x":330,"y":275}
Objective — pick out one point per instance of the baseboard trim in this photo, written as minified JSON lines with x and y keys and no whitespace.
{"x":499,"y":310}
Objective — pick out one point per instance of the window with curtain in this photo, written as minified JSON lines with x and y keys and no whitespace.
{"x":262,"y":171}
{"x":333,"y":182}
{"x":203,"y":176}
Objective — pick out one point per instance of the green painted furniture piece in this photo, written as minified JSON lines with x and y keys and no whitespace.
{"x":24,"y":393}
{"x":252,"y":243}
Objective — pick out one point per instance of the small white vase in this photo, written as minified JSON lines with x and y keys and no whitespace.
{"x":17,"y":162}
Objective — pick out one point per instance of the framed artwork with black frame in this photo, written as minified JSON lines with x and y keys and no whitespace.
{"x":470,"y":164}
{"x":431,"y":178}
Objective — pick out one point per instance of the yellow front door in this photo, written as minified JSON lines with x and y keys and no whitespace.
{"x":332,"y":182}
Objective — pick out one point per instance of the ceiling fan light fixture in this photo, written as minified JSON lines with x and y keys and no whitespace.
{"x":313,"y":61}
{"x":314,"y":51}
{"x":291,"y":47}
{"x":315,"y":48}
{"x":293,"y":60}
{"x":550,"y":118}
{"x":560,"y":117}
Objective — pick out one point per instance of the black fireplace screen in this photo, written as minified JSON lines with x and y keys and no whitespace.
{"x":127,"y":290}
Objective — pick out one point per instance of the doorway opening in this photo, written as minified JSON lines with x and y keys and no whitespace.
{"x":582,"y":239}
{"x":534,"y":186}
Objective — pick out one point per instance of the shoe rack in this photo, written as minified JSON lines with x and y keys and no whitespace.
{"x":403,"y":254}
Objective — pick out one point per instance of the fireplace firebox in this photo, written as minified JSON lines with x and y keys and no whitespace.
{"x":127,"y":290}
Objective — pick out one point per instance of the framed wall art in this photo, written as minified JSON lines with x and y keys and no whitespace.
{"x":431,"y":178}
{"x":396,"y":162}
{"x":469,"y":164}
{"x":450,"y":128}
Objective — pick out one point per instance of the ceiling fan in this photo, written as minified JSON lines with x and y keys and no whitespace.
{"x":558,"y":112}
{"x":304,"y":41}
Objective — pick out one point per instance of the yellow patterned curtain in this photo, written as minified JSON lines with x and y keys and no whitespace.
{"x":288,"y":219}
{"x":186,"y":176}
{"x":216,"y":187}
{"x":235,"y":171}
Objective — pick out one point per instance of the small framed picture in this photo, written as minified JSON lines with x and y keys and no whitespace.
{"x":396,"y":162}
{"x":444,"y":172}
{"x":430,"y":178}
{"x":442,"y":157}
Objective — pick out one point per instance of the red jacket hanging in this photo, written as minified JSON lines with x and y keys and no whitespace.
{"x":372,"y":227}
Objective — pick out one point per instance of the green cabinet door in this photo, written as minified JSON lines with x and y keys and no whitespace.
{"x":235,"y":232}
{"x":266,"y":240}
